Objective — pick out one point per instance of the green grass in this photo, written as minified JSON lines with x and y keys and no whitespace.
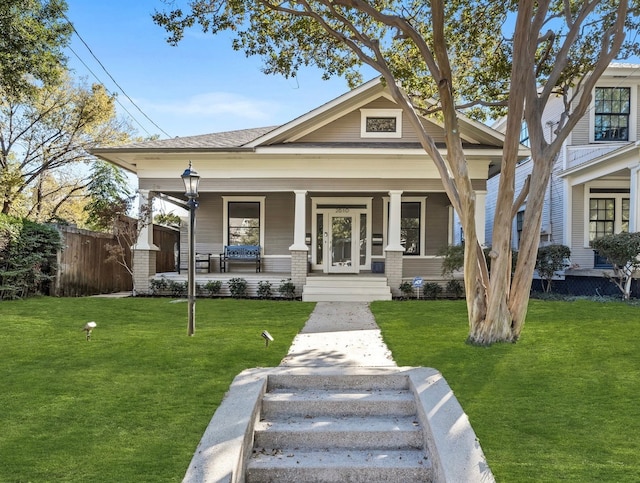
{"x":131,"y":404}
{"x":563,"y":404}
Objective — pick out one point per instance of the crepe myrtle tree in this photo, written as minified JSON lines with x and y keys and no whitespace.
{"x":476,"y":56}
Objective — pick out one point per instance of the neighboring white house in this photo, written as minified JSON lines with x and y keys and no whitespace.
{"x":344,"y":189}
{"x":594,"y":187}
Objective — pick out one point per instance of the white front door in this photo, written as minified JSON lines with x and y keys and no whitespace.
{"x":342,"y":244}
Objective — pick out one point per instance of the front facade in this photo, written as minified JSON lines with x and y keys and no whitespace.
{"x":343,"y":190}
{"x":594,"y":187}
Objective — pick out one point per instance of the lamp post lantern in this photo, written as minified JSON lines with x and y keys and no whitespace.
{"x":191,"y":180}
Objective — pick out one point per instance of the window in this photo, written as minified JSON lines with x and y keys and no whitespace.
{"x":410,"y":227}
{"x":624,"y":226}
{"x":243,"y":220}
{"x":602,"y":215}
{"x":519,"y":225}
{"x":381,"y":123}
{"x":524,"y":134}
{"x":612,"y":106}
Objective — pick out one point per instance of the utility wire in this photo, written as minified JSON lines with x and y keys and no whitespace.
{"x":111,"y":77}
{"x":116,"y":97}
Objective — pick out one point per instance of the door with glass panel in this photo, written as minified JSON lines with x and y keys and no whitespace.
{"x":341,"y":241}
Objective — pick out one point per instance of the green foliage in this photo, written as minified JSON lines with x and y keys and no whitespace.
{"x":264,"y":289}
{"x":109,"y":196}
{"x":167,"y":219}
{"x":213,"y":287}
{"x":432,"y":290}
{"x":28,"y":254}
{"x":452,"y":259}
{"x":622,"y":250}
{"x":238,"y":287}
{"x":177,"y":289}
{"x":159,"y":286}
{"x":550,"y":259}
{"x":33,"y":34}
{"x":455,"y":288}
{"x":407,"y":290}
{"x":287,"y":289}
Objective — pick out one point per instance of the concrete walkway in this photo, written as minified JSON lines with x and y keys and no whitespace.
{"x":339,"y":334}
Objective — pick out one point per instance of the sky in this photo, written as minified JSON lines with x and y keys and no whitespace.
{"x":200,"y":86}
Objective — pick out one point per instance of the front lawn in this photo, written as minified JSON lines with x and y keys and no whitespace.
{"x":131,"y":404}
{"x":563,"y":404}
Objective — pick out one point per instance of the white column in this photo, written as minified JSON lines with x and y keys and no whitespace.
{"x":299,"y":231}
{"x":145,"y":236}
{"x":395,"y":212}
{"x":567,"y":215}
{"x":634,"y":201}
{"x":481,"y":198}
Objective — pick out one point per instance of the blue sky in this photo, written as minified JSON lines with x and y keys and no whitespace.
{"x":201,"y":86}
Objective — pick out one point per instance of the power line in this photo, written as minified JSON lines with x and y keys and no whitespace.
{"x":111,"y":77}
{"x":116,"y":98}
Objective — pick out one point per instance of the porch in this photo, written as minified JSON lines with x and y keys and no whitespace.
{"x":319,"y":287}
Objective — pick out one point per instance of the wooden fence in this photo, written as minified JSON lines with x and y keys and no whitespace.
{"x":82,"y":269}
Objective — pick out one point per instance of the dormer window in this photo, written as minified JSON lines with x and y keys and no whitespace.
{"x":381,"y":123}
{"x":612,"y":107}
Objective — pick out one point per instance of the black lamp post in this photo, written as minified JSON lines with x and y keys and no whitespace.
{"x":191,"y":179}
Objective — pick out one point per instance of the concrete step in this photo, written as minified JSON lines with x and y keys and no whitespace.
{"x":337,"y":466}
{"x":338,"y":427}
{"x":372,"y":432}
{"x":346,"y":289}
{"x":317,"y":402}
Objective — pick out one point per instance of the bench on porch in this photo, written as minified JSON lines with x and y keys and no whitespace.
{"x":240,"y":253}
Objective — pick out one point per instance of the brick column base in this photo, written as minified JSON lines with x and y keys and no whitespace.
{"x":144,"y":267}
{"x":393,"y":271}
{"x":299,"y":267}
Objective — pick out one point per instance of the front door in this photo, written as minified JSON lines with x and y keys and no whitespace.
{"x":342,"y":244}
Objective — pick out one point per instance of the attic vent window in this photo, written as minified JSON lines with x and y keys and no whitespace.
{"x":381,"y":123}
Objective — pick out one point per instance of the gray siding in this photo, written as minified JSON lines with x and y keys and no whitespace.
{"x":437,"y":221}
{"x":279,"y":219}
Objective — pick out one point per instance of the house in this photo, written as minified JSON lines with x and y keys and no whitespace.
{"x":342,"y":193}
{"x":593,"y":190}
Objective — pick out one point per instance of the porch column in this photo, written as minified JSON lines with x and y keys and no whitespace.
{"x":299,"y":250}
{"x":143,"y":253}
{"x":634,"y":201}
{"x":481,"y":197}
{"x":394,"y":249}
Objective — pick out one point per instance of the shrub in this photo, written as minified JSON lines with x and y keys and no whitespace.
{"x":432,"y":290}
{"x":177,"y":289}
{"x":213,"y":287}
{"x":550,"y":259}
{"x":623,"y":252}
{"x":407,"y":290}
{"x":159,"y":285}
{"x":238,"y":287}
{"x":264,"y":289}
{"x":287,"y":289}
{"x":28,"y":257}
{"x":455,"y":288}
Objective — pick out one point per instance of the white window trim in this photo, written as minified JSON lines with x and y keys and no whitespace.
{"x":225,"y":215}
{"x":423,"y":221}
{"x":365,"y":113}
{"x":617,"y":223}
{"x":633,"y":121}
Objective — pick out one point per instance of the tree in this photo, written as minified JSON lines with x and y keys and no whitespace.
{"x":623,"y":252}
{"x":43,"y":135}
{"x":448,"y":56}
{"x":551,"y":259}
{"x":33,"y":34}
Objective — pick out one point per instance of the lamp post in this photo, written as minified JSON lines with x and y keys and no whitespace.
{"x":191,"y":179}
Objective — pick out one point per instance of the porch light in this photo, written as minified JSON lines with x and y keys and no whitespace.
{"x":191,"y":180}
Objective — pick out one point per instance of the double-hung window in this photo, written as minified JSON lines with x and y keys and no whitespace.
{"x":612,"y":107}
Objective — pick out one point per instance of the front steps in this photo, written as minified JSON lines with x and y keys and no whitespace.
{"x":330,"y":428}
{"x":346,"y":288}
